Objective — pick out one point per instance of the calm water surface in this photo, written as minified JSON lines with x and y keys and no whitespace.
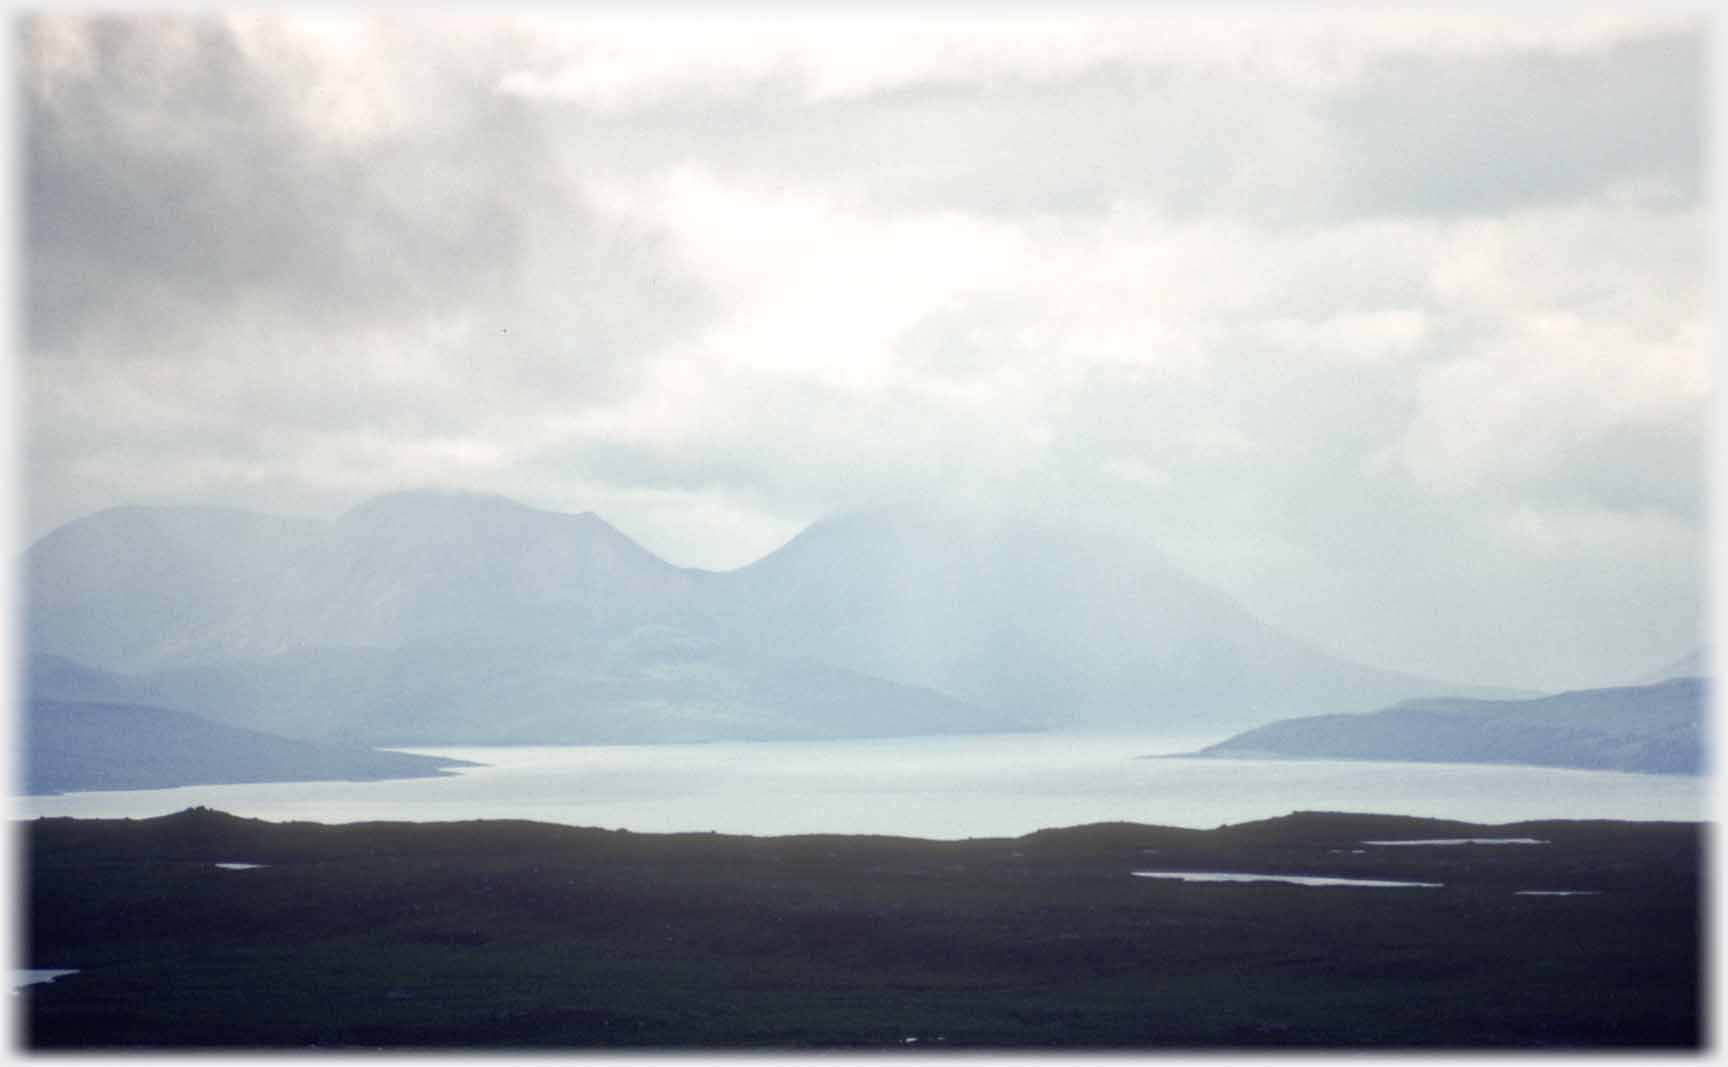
{"x":36,"y":976}
{"x":946,"y":787}
{"x":1291,"y":879}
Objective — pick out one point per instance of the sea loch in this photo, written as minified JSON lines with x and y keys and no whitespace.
{"x":943,"y":787}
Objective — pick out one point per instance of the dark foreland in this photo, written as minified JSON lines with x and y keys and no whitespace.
{"x":524,"y":935}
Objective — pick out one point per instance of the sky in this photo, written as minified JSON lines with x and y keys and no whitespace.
{"x":1394,"y":326}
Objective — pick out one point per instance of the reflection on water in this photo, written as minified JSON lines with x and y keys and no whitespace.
{"x":1293,"y":879}
{"x":1465,"y":841}
{"x":998,"y":785}
{"x":36,"y":976}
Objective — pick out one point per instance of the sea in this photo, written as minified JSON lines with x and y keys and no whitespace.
{"x":949,"y":787}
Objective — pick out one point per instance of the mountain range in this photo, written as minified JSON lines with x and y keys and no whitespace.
{"x":456,"y":618}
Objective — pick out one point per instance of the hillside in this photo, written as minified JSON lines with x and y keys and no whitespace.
{"x":143,"y":589}
{"x":644,"y":684}
{"x":1650,"y":728}
{"x":1069,"y":625}
{"x":72,"y":746}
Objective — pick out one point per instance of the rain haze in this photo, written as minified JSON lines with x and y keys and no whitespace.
{"x":1392,"y":327}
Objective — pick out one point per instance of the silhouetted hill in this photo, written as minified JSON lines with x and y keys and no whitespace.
{"x":1653,"y":728}
{"x":79,"y":745}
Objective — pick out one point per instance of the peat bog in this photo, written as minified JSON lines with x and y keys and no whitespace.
{"x":523,"y":935}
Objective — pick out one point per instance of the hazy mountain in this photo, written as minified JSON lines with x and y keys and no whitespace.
{"x":79,"y":745}
{"x":416,"y":566}
{"x":433,"y":617}
{"x":1016,"y":611}
{"x":50,"y":677}
{"x":133,"y":586}
{"x":634,"y":685}
{"x":136,"y":588}
{"x":1653,"y":728}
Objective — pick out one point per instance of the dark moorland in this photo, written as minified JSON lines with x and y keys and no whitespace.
{"x":523,"y":935}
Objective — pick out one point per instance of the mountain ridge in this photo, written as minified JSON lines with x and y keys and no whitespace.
{"x":1012,"y":610}
{"x":464,"y":611}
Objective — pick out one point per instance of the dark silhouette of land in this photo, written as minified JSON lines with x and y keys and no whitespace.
{"x":72,"y":746}
{"x":524,"y":935}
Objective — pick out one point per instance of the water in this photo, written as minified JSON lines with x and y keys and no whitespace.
{"x":1292,"y":879}
{"x":1463,"y":841}
{"x":998,"y":785}
{"x":36,"y":976}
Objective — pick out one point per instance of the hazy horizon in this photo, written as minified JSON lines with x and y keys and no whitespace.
{"x":1390,"y":326}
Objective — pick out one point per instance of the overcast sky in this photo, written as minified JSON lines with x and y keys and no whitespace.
{"x":1392,"y":326}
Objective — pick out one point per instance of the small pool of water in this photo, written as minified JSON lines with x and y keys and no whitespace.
{"x":1293,"y":879}
{"x":36,"y":976}
{"x":1464,"y":841}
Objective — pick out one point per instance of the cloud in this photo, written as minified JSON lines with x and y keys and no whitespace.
{"x":1477,"y":135}
{"x":1392,"y":326}
{"x":615,"y":61}
{"x":179,"y":174}
{"x":219,"y":270}
{"x":1326,"y":112}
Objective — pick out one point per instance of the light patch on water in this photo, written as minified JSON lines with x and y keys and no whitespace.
{"x":36,"y":976}
{"x":1558,"y":893}
{"x":241,"y":866}
{"x":1001,"y":785}
{"x":1293,"y":879}
{"x":1464,"y":841}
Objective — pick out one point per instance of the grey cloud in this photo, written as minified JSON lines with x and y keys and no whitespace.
{"x":189,"y":181}
{"x":1276,"y":444}
{"x":1655,"y":467}
{"x":1415,"y":135}
{"x":1502,"y":131}
{"x":793,"y":448}
{"x":1302,"y":523}
{"x":191,"y":185}
{"x":201,"y":260}
{"x":1008,"y":148}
